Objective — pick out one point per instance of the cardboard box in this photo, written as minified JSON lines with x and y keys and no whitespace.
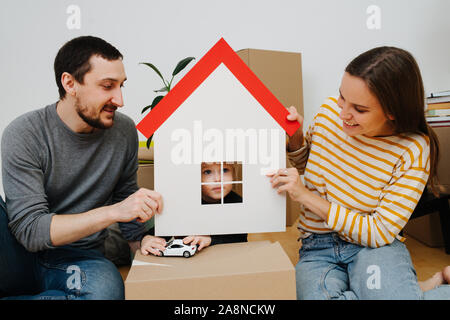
{"x":443,"y":170}
{"x":145,"y":153}
{"x":145,"y":176}
{"x":281,"y":73}
{"x":427,"y":229}
{"x":237,"y":271}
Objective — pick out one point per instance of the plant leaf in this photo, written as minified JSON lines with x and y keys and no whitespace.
{"x":146,"y":108}
{"x":155,"y":69}
{"x":163,"y":89}
{"x":149,"y":140}
{"x":154,"y":103}
{"x":181,"y":65}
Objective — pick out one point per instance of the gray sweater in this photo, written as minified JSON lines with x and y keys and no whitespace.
{"x":49,"y":169}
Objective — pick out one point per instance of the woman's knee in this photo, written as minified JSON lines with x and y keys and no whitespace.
{"x":384,"y":273}
{"x":321,"y":281}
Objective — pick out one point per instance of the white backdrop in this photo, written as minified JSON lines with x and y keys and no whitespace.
{"x":328,"y":33}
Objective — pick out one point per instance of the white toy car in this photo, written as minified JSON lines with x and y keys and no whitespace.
{"x":176,"y":247}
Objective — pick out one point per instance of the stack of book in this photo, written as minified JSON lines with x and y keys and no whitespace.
{"x":437,"y":109}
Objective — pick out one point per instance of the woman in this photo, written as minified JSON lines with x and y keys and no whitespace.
{"x":366,"y":160}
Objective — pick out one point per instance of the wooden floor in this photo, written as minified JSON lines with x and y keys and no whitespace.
{"x":427,"y":261}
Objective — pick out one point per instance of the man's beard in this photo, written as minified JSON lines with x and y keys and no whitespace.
{"x":94,"y":122}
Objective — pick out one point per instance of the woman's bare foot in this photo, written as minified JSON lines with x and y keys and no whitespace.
{"x":433,"y":282}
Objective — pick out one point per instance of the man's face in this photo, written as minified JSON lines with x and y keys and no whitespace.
{"x":101,"y":92}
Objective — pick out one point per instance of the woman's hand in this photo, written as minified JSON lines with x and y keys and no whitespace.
{"x":296,"y":140}
{"x":153,"y":245}
{"x":288,"y":180}
{"x":202,"y":241}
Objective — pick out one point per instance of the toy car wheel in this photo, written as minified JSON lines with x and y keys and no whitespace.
{"x":162,"y":253}
{"x":186,"y":254}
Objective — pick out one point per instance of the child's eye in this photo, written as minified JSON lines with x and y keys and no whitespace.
{"x":107,"y":87}
{"x":207,"y":172}
{"x":226,"y":170}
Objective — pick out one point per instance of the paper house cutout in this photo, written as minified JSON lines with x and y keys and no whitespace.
{"x":218,"y":112}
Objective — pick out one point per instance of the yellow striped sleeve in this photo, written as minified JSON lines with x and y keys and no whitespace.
{"x":298,"y":158}
{"x":383,"y":225}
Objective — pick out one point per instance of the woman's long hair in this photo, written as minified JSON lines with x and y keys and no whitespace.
{"x":393,"y":76}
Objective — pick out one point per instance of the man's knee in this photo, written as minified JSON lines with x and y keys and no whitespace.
{"x":100,"y":280}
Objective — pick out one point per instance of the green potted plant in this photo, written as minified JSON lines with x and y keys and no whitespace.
{"x":167,"y":85}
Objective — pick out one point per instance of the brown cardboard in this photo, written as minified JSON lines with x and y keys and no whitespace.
{"x":281,"y":73}
{"x":250,"y":270}
{"x":443,"y":134}
{"x":145,"y":176}
{"x":145,"y":153}
{"x":427,"y":229}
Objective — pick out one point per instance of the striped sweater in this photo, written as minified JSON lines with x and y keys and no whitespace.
{"x":372,"y":183}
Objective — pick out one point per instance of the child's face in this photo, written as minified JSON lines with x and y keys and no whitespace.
{"x":211,"y":193}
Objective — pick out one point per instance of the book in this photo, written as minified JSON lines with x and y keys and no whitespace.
{"x":439,"y":99}
{"x":437,"y":112}
{"x":439,"y":124}
{"x":435,"y":106}
{"x":440,"y":94}
{"x":438,"y":119}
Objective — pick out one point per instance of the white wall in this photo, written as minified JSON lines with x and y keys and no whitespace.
{"x":328,"y":33}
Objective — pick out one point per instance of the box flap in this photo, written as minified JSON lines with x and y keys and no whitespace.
{"x":225,"y":259}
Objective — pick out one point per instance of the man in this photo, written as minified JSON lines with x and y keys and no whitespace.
{"x":69,"y":172}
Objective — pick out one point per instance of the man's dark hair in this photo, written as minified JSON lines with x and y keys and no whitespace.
{"x":73,"y":57}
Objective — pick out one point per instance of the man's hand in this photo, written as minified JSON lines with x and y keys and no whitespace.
{"x":153,"y":245}
{"x":68,"y":228}
{"x":141,"y":205}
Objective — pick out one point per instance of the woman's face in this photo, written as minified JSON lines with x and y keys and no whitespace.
{"x":361,"y":111}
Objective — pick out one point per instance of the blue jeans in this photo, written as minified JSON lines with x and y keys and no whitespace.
{"x":331,"y":268}
{"x":62,"y":273}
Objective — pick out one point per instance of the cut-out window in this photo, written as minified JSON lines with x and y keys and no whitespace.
{"x":221,"y":182}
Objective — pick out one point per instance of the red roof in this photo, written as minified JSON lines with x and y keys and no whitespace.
{"x":221,"y":52}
